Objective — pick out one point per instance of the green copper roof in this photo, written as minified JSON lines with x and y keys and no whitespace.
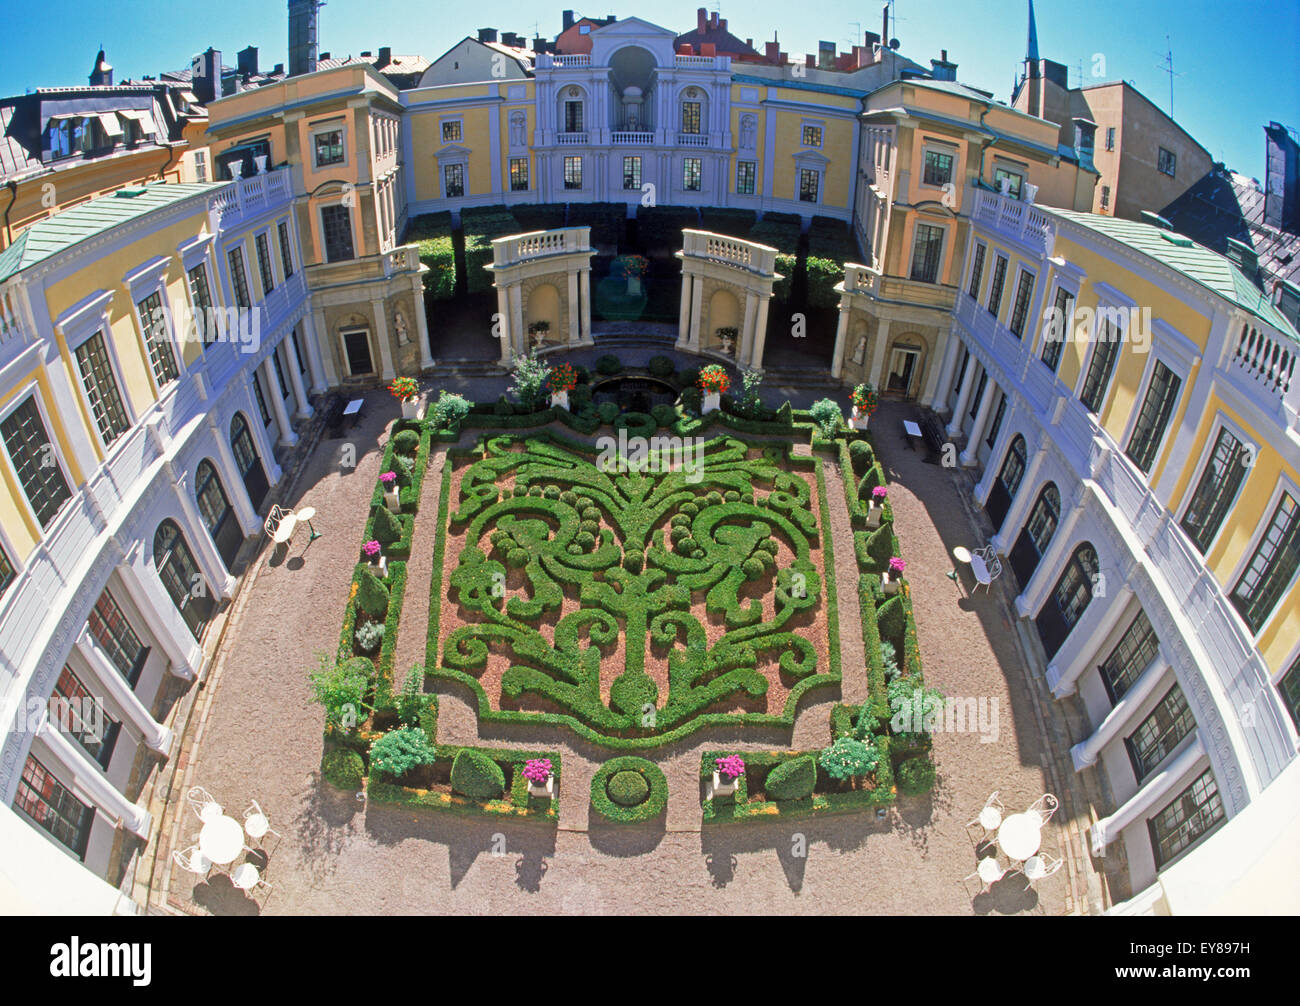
{"x":78,"y":223}
{"x":1198,"y":263}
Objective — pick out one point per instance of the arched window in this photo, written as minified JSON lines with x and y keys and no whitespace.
{"x":214,"y":508}
{"x":1037,"y":533}
{"x":1069,"y":600}
{"x":1007,"y":482}
{"x":180,"y":575}
{"x":246,"y":459}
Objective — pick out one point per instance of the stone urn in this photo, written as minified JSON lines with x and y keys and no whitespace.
{"x":724,"y":785}
{"x":410,"y":408}
{"x":858,"y":421}
{"x":890,"y":582}
{"x":260,"y":161}
{"x":874,"y":512}
{"x":544,"y":790}
{"x":560,"y":400}
{"x":712,"y":401}
{"x":393,"y":498}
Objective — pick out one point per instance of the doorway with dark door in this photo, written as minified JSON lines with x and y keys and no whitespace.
{"x":903,"y":365}
{"x":246,"y":459}
{"x":186,"y":586}
{"x":356,"y":344}
{"x":217,"y":513}
{"x":1036,"y":535}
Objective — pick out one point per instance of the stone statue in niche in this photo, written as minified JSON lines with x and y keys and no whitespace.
{"x":399,"y":326}
{"x":860,"y":354}
{"x":517,"y":138}
{"x":748,"y":126}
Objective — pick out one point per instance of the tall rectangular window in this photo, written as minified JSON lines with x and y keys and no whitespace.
{"x":978,"y":396}
{"x":1158,"y":734}
{"x":1020,"y":309}
{"x":162,"y":358}
{"x":7,"y":573}
{"x":261,"y":398}
{"x":453,"y":180}
{"x":1100,"y":367}
{"x":811,"y":136}
{"x":1132,"y":655}
{"x":692,"y":174}
{"x":1217,"y":488}
{"x":1057,"y":328}
{"x":996,"y":284}
{"x":809,"y":183}
{"x":297,"y":351}
{"x":519,"y":174}
{"x":32,"y":454}
{"x":573,"y":116}
{"x":632,"y":173}
{"x":101,"y":388}
{"x":51,"y":805}
{"x":995,"y":427}
{"x":336,"y":224}
{"x":201,"y":299}
{"x":977,"y":271}
{"x":1105,"y":197}
{"x":329,"y":148}
{"x":1153,"y":419}
{"x":238,"y":277}
{"x":926,"y":251}
{"x":74,"y":702}
{"x":264,"y":263}
{"x":691,"y":117}
{"x":573,"y":172}
{"x":1289,"y":686}
{"x":1167,"y":163}
{"x":1110,"y":137}
{"x":113,"y":632}
{"x":279,"y":371}
{"x":745,"y":177}
{"x":1276,"y":558}
{"x":286,"y":249}
{"x":938,"y":168}
{"x":1194,"y":813}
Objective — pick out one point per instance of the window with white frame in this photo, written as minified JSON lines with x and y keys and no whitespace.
{"x":1132,"y":655}
{"x":263,"y":246}
{"x":1188,"y":818}
{"x":810,"y":134}
{"x":1163,"y":730}
{"x":100,"y":385}
{"x":1020,"y":307}
{"x":452,"y":131}
{"x":927,"y":250}
{"x":692,"y":174}
{"x":1153,"y":418}
{"x":1224,"y":472}
{"x":453,"y":180}
{"x":336,"y":228}
{"x":746,"y":172}
{"x":1272,"y":567}
{"x":31,"y":453}
{"x":328,"y":146}
{"x":809,"y":185}
{"x":573,"y":172}
{"x":937,"y":167}
{"x":162,"y":358}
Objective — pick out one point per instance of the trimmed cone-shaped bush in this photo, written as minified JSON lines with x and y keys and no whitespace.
{"x":387,"y":528}
{"x":869,"y":481}
{"x":880,"y":546}
{"x":343,"y":768}
{"x":891,"y":617}
{"x":792,"y":780}
{"x":475,"y":775}
{"x":916,"y":776}
{"x":372,"y":595}
{"x":628,"y":788}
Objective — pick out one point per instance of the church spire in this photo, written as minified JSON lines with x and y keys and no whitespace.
{"x":1031,"y":51}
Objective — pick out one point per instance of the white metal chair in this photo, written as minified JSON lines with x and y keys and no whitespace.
{"x":990,"y":817}
{"x":988,"y":569}
{"x":1045,"y":806}
{"x":1039,"y":867}
{"x":989,"y":872}
{"x":280,"y":524}
{"x":193,"y":861}
{"x":257,"y":824}
{"x":247,"y":877}
{"x":203,"y":804}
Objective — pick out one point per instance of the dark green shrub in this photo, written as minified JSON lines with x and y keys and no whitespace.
{"x":518,"y":557}
{"x":372,"y":595}
{"x":503,"y":407}
{"x":792,"y":780}
{"x":633,"y":562}
{"x":341,"y":687}
{"x":664,"y":415}
{"x":343,"y":768}
{"x":861,"y":454}
{"x":628,"y":788}
{"x":689,"y":377}
{"x":637,"y":424}
{"x":892,"y":619}
{"x":848,"y":757}
{"x":752,"y":568}
{"x":660,"y":366}
{"x":607,"y":411}
{"x":449,"y":409}
{"x":406,"y":441}
{"x":652,"y":802}
{"x":580,"y":398}
{"x":404,"y":467}
{"x":916,"y":776}
{"x":609,"y":365}
{"x":869,"y":481}
{"x":880,"y":546}
{"x":826,"y":414}
{"x":475,"y":775}
{"x":387,"y":528}
{"x":692,"y":398}
{"x":399,"y":751}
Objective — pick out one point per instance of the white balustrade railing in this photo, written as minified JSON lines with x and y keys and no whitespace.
{"x":703,"y":62}
{"x":692,"y":139}
{"x":861,"y":279}
{"x":519,"y":248}
{"x":545,"y":60}
{"x":639,"y":139}
{"x":403,"y":258}
{"x":570,"y":139}
{"x":729,"y":251}
{"x":252,"y":195}
{"x":1264,"y":364}
{"x":1016,"y":219}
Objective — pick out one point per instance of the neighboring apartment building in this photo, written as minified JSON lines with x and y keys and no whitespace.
{"x":136,"y":449}
{"x":1143,"y":477}
{"x":60,"y":146}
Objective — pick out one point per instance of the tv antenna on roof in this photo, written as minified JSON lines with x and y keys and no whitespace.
{"x":1168,"y":67}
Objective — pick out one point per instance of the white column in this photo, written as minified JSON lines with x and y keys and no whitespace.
{"x":951,"y":354}
{"x":760,"y":333}
{"x":575,"y":309}
{"x":1049,"y":566}
{"x":288,"y":438}
{"x":971,"y":454}
{"x":381,"y":337}
{"x":584,"y":281}
{"x":421,"y":324}
{"x":1122,"y":717}
{"x":963,"y":396}
{"x":324,"y":345}
{"x":305,"y":411}
{"x":156,"y":736}
{"x":877,"y":365}
{"x":697,"y":312}
{"x":841,"y":330}
{"x":309,"y":345}
{"x":1158,"y":790}
{"x":504,"y":325}
{"x":518,"y":335}
{"x":89,"y":783}
{"x":1021,"y":502}
{"x":1080,"y":648}
{"x":684,"y":314}
{"x":745,"y":347}
{"x":164,"y":623}
{"x":231,"y":480}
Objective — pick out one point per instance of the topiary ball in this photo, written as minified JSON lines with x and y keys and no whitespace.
{"x":590,"y":526}
{"x":713,"y":498}
{"x":680,"y":520}
{"x":569,"y":497}
{"x":552,"y":492}
{"x":590,"y":513}
{"x":690,"y":509}
{"x":517,"y":557}
{"x":521,"y":490}
{"x":574,"y":549}
{"x":752,"y":568}
{"x":627,"y":788}
{"x":535,"y":490}
{"x":475,"y":775}
{"x":731,"y":496}
{"x":584,"y":540}
{"x":343,"y":768}
{"x":633,"y":562}
{"x":697,"y":553}
{"x":792,"y":780}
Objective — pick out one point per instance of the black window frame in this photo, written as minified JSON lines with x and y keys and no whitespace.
{"x":108,"y":623}
{"x":1155,"y":738}
{"x":69,"y":688}
{"x":200,"y":288}
{"x":690,"y":112}
{"x":261,"y":397}
{"x":1017,"y":451}
{"x":162,"y":357}
{"x":977,"y":270}
{"x":1271,"y":583}
{"x":336,"y":232}
{"x":66,"y":818}
{"x":573,"y":115}
{"x":930,"y":160}
{"x":1153,"y":417}
{"x":1017,"y":181}
{"x":100,"y":385}
{"x":1216,"y":491}
{"x":8,"y":573}
{"x":1020,"y":305}
{"x":262,"y":243}
{"x":1167,"y":162}
{"x":746,"y":177}
{"x":631,"y":173}
{"x":45,"y":487}
{"x":452,"y":131}
{"x":333,"y":150}
{"x":980,"y":385}
{"x":1055,"y":332}
{"x":573,"y":172}
{"x":1044,"y":518}
{"x":997,"y":283}
{"x":208,"y":492}
{"x":995,"y":427}
{"x":1110,"y":137}
{"x":453,"y":180}
{"x":927,"y":253}
{"x":519,"y":174}
{"x":1131,"y":655}
{"x":286,"y":248}
{"x":239,"y":277}
{"x":809,"y":185}
{"x":817,"y":132}
{"x":279,"y":372}
{"x":1168,"y":846}
{"x":1075,"y":581}
{"x":1101,"y":367}
{"x":693,"y":174}
{"x":1288,"y":685}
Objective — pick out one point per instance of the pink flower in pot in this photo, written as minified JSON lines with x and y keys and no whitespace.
{"x":371,"y":548}
{"x":731,"y":766}
{"x":878,"y":494}
{"x":388,"y":478}
{"x":537,"y":770}
{"x":896,"y":566}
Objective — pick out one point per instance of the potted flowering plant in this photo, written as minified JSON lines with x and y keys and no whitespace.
{"x":541,"y":778}
{"x":407,"y":391}
{"x":893,"y":576}
{"x":727,"y":338}
{"x":714,"y":382}
{"x":730,"y":769}
{"x":876,"y":509}
{"x":373,"y":550}
{"x":865,"y":402}
{"x":391,"y":498}
{"x":559,"y":382}
{"x":632,"y":268}
{"x":538,"y":330}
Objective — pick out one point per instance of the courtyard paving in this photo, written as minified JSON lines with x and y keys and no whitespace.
{"x":256,"y":735}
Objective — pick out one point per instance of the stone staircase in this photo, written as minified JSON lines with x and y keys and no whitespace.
{"x":804,"y":378}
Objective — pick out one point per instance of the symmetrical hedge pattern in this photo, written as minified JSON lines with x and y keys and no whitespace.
{"x":628,"y":790}
{"x":670,"y":561}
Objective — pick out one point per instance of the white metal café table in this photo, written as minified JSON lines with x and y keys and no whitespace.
{"x":1021,"y":835}
{"x":962,"y":554}
{"x":913,"y":432}
{"x":222,"y":840}
{"x":307,"y":513}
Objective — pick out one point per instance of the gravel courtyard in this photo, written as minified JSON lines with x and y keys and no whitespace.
{"x":256,"y":735}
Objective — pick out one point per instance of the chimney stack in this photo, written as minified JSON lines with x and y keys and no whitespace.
{"x":205,"y":75}
{"x":303,"y":38}
{"x":941,"y":68}
{"x":568,"y":20}
{"x":246,"y":60}
{"x":102,"y":73}
{"x":701,"y":20}
{"x":385,"y":56}
{"x":1281,"y":179}
{"x":713,"y":20}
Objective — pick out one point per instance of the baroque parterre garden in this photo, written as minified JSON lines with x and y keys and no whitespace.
{"x":628,"y":579}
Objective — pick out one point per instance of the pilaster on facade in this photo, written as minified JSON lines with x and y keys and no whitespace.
{"x":728,"y":286}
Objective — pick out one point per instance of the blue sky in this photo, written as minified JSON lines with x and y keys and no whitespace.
{"x":1237,"y":59}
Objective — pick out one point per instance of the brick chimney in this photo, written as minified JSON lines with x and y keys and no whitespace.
{"x":385,"y":56}
{"x":701,"y":20}
{"x":568,"y":20}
